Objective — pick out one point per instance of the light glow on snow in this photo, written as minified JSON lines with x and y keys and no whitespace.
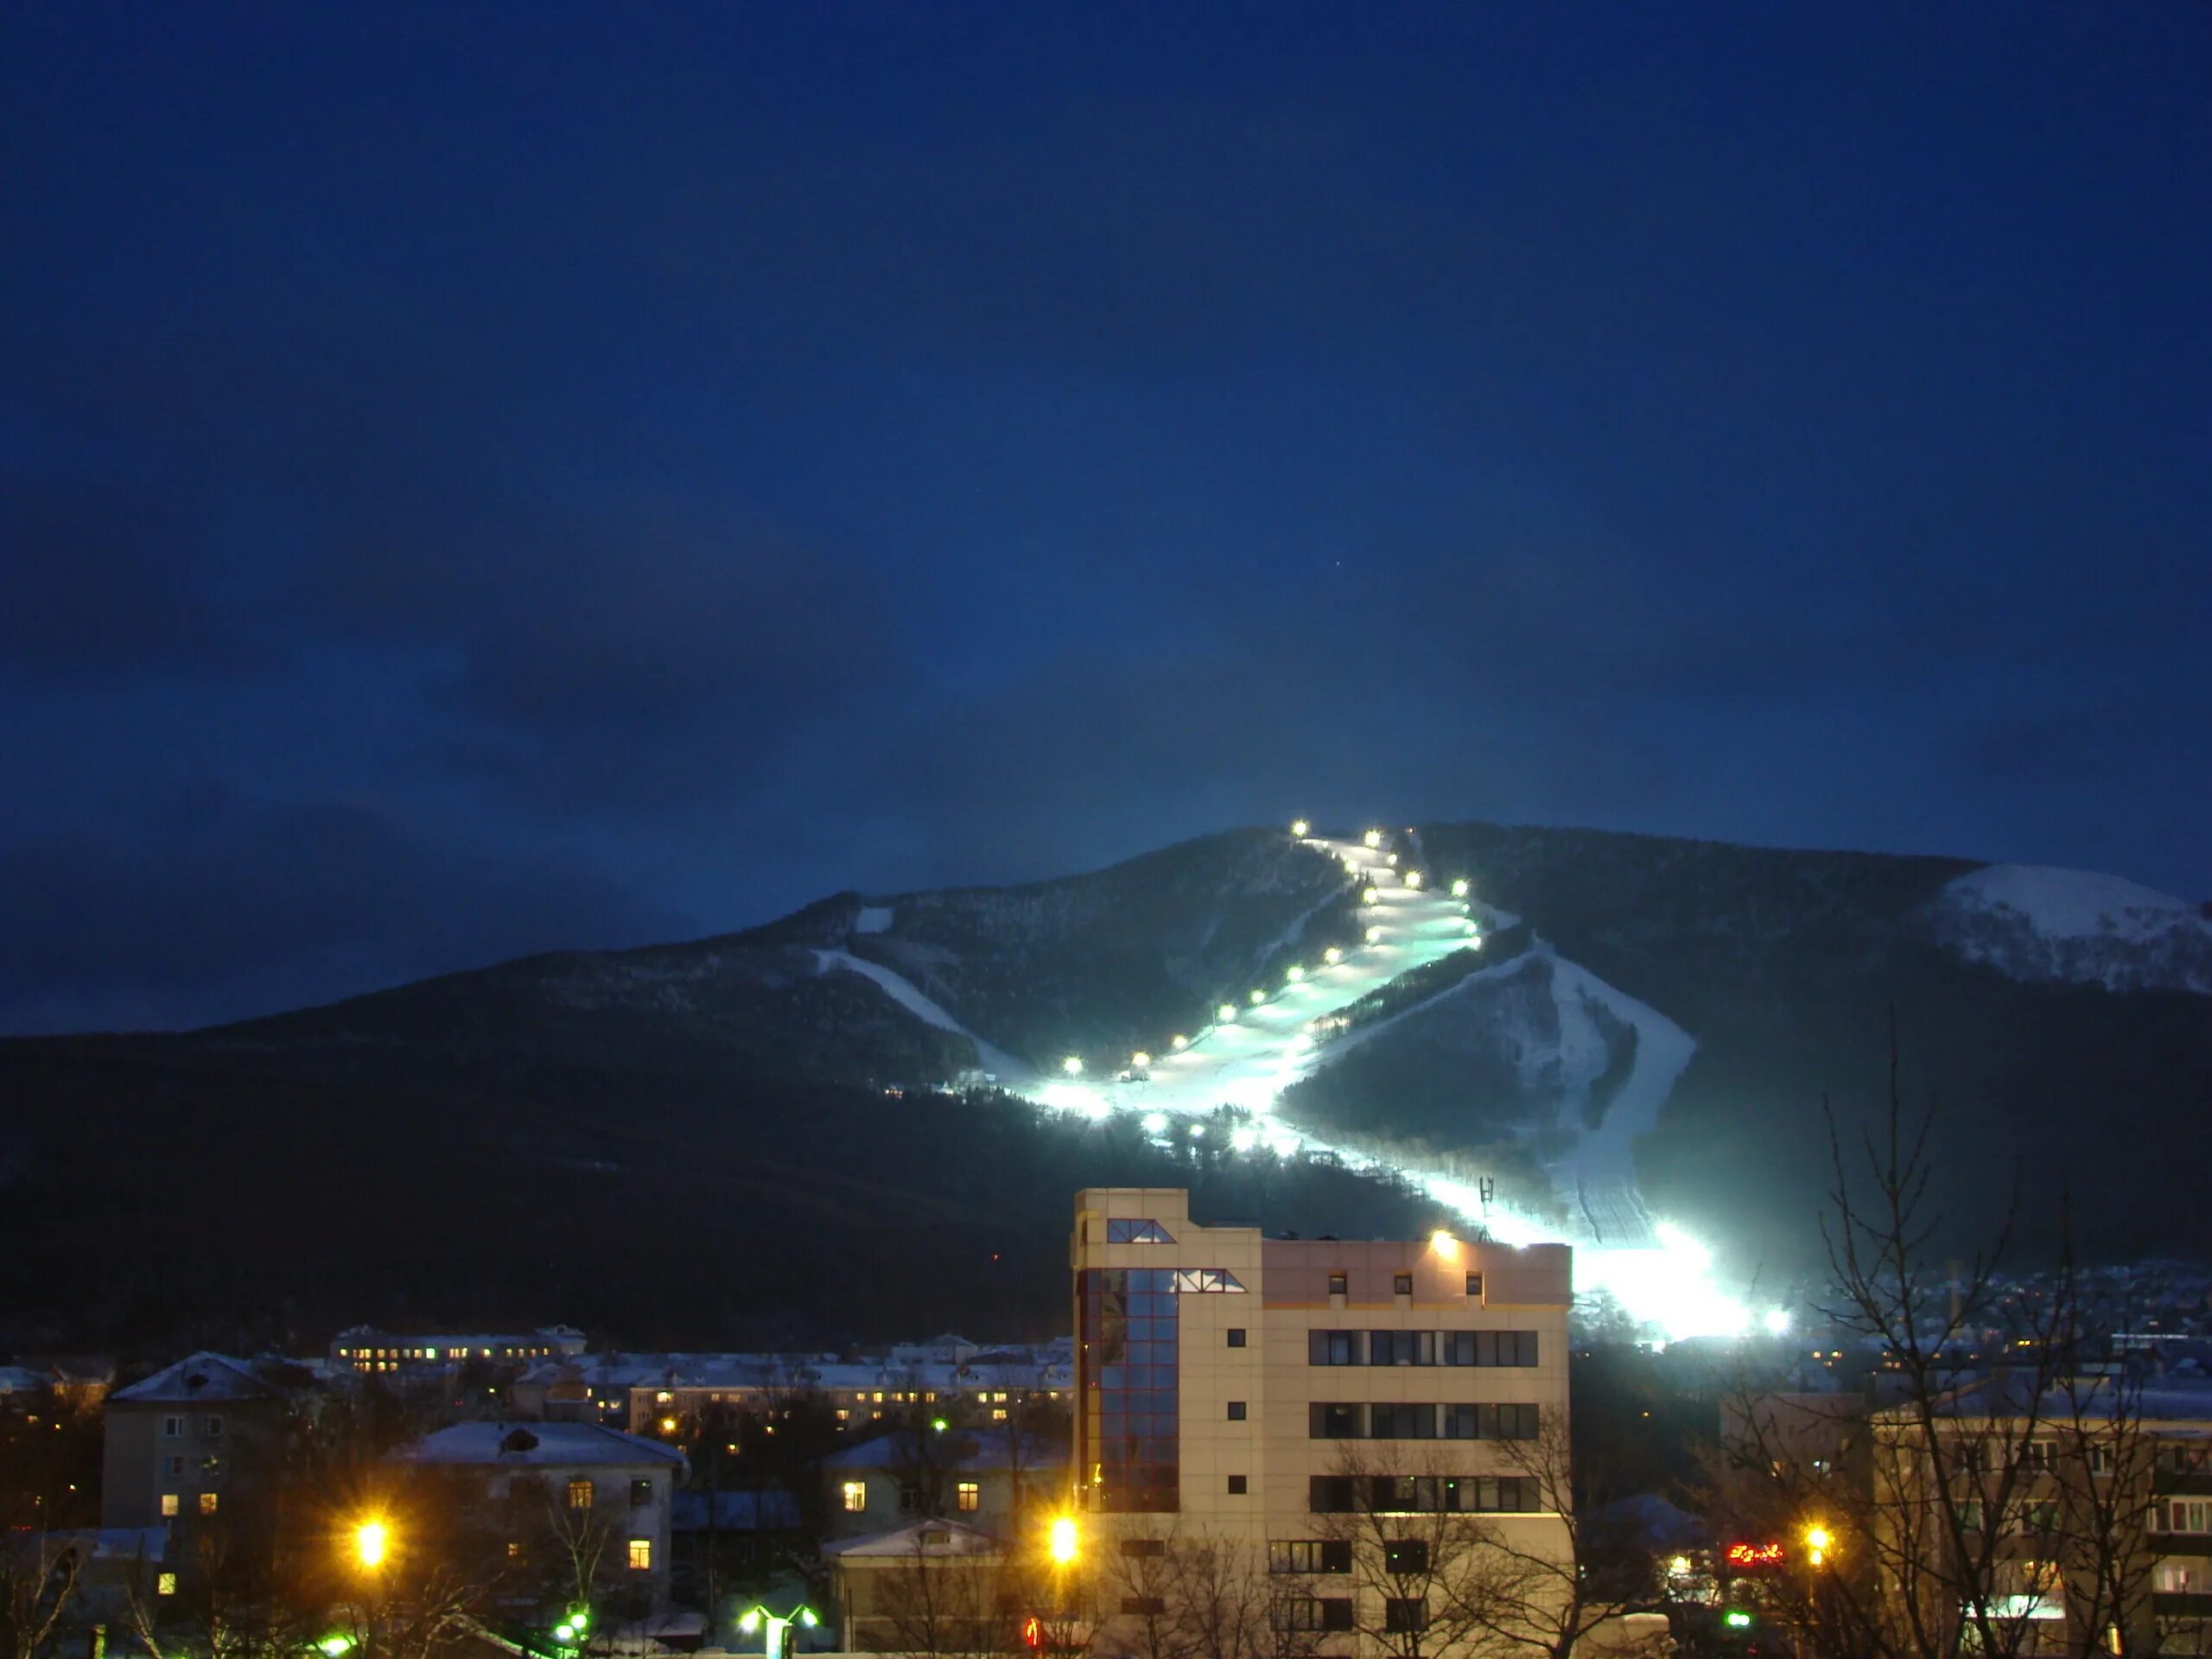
{"x":1298,"y":827}
{"x":1372,"y":839}
{"x":1459,"y":888}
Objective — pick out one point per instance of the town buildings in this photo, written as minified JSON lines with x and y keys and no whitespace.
{"x":186,"y":1441}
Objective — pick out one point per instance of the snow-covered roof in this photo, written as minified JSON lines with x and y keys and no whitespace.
{"x":564,"y":1445}
{"x":923,"y":1537}
{"x":970,"y":1451}
{"x":203,"y":1376}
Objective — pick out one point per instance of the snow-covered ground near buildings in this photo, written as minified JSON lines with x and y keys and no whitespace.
{"x":873,"y":919}
{"x":2030,"y":922}
{"x":1010,"y":1073}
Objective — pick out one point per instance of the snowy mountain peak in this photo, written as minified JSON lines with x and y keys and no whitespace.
{"x":2030,"y":922}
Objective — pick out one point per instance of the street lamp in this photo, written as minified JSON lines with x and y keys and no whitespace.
{"x":776,"y":1624}
{"x":1062,"y":1542}
{"x":370,"y":1540}
{"x":1818,"y":1542}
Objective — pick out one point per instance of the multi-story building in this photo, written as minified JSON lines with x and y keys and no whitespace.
{"x":997,"y":1478}
{"x":1287,"y":1393}
{"x":570,"y":1491}
{"x":366,"y":1348}
{"x":184,"y":1443}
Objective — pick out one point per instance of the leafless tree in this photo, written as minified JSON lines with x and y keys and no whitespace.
{"x":1541,"y":1591}
{"x":39,"y":1572}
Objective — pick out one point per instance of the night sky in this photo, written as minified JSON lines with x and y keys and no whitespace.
{"x":477,"y":479}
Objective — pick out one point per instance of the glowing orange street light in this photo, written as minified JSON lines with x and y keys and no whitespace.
{"x":370,"y":1540}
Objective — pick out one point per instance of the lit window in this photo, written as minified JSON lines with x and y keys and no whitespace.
{"x":169,"y":1503}
{"x":855,"y":1496}
{"x":843,"y":1414}
{"x":641,"y":1555}
{"x":165,"y":1585}
{"x":580,"y":1494}
{"x":971,"y":1496}
{"x":209,"y":1502}
{"x":998,"y":1414}
{"x":1000,"y":1397}
{"x":1136,"y":1232}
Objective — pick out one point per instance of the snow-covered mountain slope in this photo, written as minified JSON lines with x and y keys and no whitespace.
{"x":2030,"y":922}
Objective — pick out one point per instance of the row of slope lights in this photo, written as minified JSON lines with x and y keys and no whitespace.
{"x":1226,"y":1014}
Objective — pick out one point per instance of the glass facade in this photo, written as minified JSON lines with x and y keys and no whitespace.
{"x":1127,"y":1428}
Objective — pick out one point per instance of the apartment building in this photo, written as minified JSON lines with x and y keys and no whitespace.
{"x":1263,"y":1390}
{"x":368,"y":1349}
{"x":185,"y":1443}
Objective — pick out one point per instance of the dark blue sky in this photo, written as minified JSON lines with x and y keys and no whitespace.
{"x":477,"y":480}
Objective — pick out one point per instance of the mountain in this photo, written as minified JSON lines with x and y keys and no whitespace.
{"x":805,"y":1130}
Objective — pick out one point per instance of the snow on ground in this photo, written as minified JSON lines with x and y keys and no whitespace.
{"x":2030,"y":922}
{"x":873,"y":919}
{"x":1010,"y":1072}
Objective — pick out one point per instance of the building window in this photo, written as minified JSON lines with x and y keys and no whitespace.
{"x":212,"y":1429}
{"x":1334,"y":1348}
{"x":1339,"y":1284}
{"x":1402,"y":1347}
{"x":1490,"y":1348}
{"x":169,"y":1503}
{"x":1404,"y":1557}
{"x":580,"y":1494}
{"x":1144,"y":1547}
{"x":854,"y":1493}
{"x":1309,"y":1556}
{"x":1474,"y":1284}
{"x":1398,"y":1421}
{"x":165,"y":1585}
{"x":970,"y":1495}
{"x":1236,"y":1411}
{"x":1335,"y":1420}
{"x":514,"y":1551}
{"x":1191,"y":1281}
{"x":1236,"y":1485}
{"x":210,"y":1502}
{"x":998,"y":1414}
{"x":1401,"y":1284}
{"x":1143,"y":1606}
{"x":641,"y":1493}
{"x":1311,"y":1613}
{"x":1401,"y":1614}
{"x":172,"y":1428}
{"x":641,"y":1555}
{"x":172,"y":1467}
{"x":1236,"y":1336}
{"x":1127,"y":1231}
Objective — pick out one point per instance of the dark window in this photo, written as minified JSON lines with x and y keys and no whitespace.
{"x":1236,"y":1411}
{"x":1402,"y":1347}
{"x":1236,"y":1485}
{"x":1329,"y":1494}
{"x":1143,"y":1547}
{"x":1336,"y":1612}
{"x":1336,"y":1347}
{"x":1401,"y":1421}
{"x":1236,"y":1336}
{"x":1310,"y":1555}
{"x":1402,"y":1284}
{"x":1149,"y":1606}
{"x":1474,"y":1284}
{"x":1406,"y":1557}
{"x":1403,"y":1613}
{"x":641,"y":1493}
{"x":1339,"y":1284}
{"x":212,"y":1429}
{"x":1487,"y":1422}
{"x":1490,"y":1348}
{"x":1334,"y":1419}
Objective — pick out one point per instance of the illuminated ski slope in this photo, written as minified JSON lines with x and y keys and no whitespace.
{"x":1251,"y":1055}
{"x":1256,"y":1049}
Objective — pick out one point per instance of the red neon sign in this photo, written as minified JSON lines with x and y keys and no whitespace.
{"x":1032,"y":1632}
{"x":1744,"y":1554}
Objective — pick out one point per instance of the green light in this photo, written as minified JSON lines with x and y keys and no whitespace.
{"x":751,"y":1621}
{"x":1737,"y":1619}
{"x":939,"y":1424}
{"x":566,"y":1632}
{"x":581,"y":1619}
{"x":806,"y":1617}
{"x":334,"y":1645}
